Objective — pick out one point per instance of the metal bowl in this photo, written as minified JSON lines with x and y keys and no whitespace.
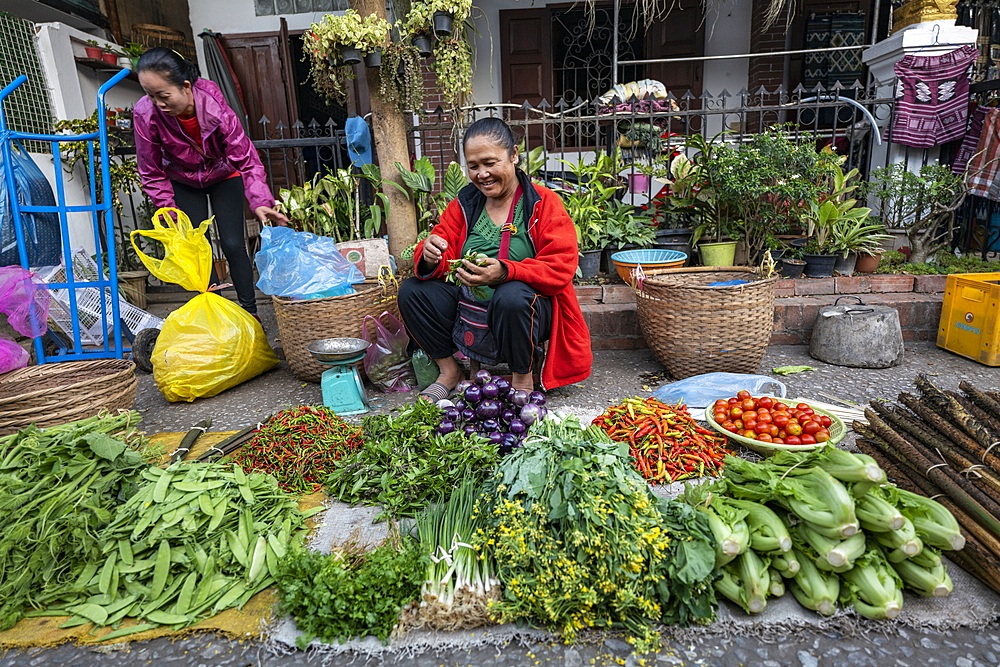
{"x":337,"y":349}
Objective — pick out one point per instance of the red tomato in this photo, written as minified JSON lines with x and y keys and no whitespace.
{"x":808,"y":411}
{"x":748,"y":404}
{"x":773,"y":430}
{"x":731,"y":427}
{"x":802,"y":406}
{"x":811,"y":427}
{"x":749,"y":421}
{"x":808,"y":439}
{"x":822,"y":435}
{"x":761,"y":427}
{"x":793,"y":440}
{"x":739,"y":424}
{"x":778,"y":441}
{"x":825,"y":421}
{"x":721,"y":403}
{"x":780,"y":419}
{"x":765,"y":402}
{"x":793,"y":429}
{"x":764,"y":437}
{"x":733,"y":401}
{"x":720,"y":414}
{"x":743,"y":395}
{"x":766,"y":417}
{"x":782,"y":433}
{"x":735,"y":411}
{"x":749,"y":434}
{"x":780,"y":407}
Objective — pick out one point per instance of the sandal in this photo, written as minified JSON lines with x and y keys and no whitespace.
{"x":434,"y":392}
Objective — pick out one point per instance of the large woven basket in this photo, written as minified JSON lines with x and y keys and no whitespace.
{"x":308,"y":320}
{"x":694,"y":329}
{"x":58,"y":393}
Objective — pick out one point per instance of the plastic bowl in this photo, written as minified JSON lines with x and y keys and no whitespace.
{"x":650,"y":260}
{"x":837,"y":431}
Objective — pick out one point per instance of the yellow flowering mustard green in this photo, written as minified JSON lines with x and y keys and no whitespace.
{"x":579,"y":541}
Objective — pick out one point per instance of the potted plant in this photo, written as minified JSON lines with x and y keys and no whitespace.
{"x":453,"y":66}
{"x":642,"y":141}
{"x":401,"y":79}
{"x":330,"y":205}
{"x":420,"y":182}
{"x":587,"y":198}
{"x":133,"y":50}
{"x":93,"y":49}
{"x":448,"y":12}
{"x":328,"y":72}
{"x":110,"y":55}
{"x":921,"y":203}
{"x":352,"y":35}
{"x":853,"y":236}
{"x":419,"y":27}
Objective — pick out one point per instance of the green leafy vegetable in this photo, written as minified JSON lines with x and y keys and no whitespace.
{"x":454,"y":265}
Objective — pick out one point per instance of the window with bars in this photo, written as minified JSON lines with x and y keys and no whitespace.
{"x":275,"y":7}
{"x":27,"y":108}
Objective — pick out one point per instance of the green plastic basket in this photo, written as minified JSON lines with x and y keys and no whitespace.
{"x":837,"y":431}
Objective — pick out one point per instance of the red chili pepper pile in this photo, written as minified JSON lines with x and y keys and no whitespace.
{"x":665,"y":442}
{"x":299,"y":446}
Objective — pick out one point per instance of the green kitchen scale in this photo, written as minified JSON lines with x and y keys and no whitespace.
{"x":343,"y":391}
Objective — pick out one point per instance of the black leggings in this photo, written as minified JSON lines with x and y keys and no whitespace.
{"x":227,"y":207}
{"x":519,"y":318}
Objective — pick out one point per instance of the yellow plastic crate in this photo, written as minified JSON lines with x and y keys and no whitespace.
{"x":968,"y":323}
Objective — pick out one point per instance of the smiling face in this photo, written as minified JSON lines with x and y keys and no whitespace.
{"x":168,"y":97}
{"x":491,"y":168}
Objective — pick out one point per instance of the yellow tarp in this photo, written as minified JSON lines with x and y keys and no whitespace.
{"x":45,"y":631}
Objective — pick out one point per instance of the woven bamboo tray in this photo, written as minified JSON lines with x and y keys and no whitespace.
{"x":302,"y":322}
{"x":58,"y":393}
{"x":694,"y":329}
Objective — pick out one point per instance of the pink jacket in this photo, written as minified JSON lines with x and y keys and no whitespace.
{"x":166,"y":153}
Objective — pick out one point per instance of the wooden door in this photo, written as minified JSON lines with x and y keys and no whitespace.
{"x":259,"y":61}
{"x":681,"y":34}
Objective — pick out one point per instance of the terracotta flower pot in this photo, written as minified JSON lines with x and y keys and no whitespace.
{"x":110,"y":58}
{"x":867,"y":263}
{"x":94,"y":52}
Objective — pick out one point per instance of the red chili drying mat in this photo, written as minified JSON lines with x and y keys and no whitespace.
{"x":665,"y":442}
{"x":299,"y":447}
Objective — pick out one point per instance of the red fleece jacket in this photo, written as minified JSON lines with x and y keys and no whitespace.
{"x":550,"y":272}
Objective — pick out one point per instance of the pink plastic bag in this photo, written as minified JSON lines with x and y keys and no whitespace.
{"x":386,"y":362}
{"x":24,"y":298}
{"x":12,"y":356}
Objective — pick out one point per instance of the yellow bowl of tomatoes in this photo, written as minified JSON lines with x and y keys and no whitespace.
{"x":767,"y":424}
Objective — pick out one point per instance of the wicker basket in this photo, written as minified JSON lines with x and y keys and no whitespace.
{"x":694,"y":329}
{"x":63,"y":392}
{"x":302,"y":322}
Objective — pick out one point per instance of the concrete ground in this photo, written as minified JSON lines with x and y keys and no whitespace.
{"x":616,"y":375}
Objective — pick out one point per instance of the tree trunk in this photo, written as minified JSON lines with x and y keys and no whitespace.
{"x":389,"y":132}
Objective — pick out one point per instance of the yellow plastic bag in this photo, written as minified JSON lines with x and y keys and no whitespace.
{"x":209,"y":344}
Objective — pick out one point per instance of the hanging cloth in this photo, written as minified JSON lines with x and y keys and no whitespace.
{"x":220,"y":70}
{"x":984,"y":165}
{"x":932,"y":94}
{"x":971,"y":140}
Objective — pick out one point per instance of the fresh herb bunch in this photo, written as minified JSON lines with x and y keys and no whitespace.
{"x":196,"y":538}
{"x":477,"y":258}
{"x":580,"y":541}
{"x":347,"y":593}
{"x":58,"y":488}
{"x":299,"y":446}
{"x":403,"y":465}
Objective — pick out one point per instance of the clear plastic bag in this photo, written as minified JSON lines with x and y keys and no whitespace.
{"x":24,"y":299}
{"x":386,"y":363}
{"x":300,"y":265}
{"x":12,"y":356}
{"x":700,"y":391}
{"x":210,"y":343}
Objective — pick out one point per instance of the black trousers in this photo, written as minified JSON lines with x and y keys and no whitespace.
{"x":519,"y":318}
{"x":227,"y":207}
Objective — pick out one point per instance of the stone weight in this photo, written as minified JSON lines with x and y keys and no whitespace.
{"x":860,"y":336}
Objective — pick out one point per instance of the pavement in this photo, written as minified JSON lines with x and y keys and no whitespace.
{"x":616,"y":375}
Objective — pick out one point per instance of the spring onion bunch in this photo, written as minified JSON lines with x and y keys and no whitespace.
{"x":460,"y":581}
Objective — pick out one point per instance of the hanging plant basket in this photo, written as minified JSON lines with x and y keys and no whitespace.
{"x":423,"y":44}
{"x":443,"y":23}
{"x":374,"y":59}
{"x":350,"y":55}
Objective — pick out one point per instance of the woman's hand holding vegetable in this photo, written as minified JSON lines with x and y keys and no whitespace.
{"x":434,"y":247}
{"x":491,"y":273}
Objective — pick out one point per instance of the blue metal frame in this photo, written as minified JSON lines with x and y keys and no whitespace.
{"x":112,"y":343}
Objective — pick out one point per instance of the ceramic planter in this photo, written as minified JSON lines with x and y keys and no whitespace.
{"x":350,"y":55}
{"x":443,"y":23}
{"x":717,"y":254}
{"x":820,"y":266}
{"x":590,"y":263}
{"x":109,"y":57}
{"x":867,"y":263}
{"x":792,"y":268}
{"x":423,"y":44}
{"x":374,"y":59}
{"x":845,"y":265}
{"x":94,"y":52}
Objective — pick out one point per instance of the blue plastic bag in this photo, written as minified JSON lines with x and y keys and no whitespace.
{"x":300,"y":265}
{"x":700,"y":391}
{"x":41,"y":230}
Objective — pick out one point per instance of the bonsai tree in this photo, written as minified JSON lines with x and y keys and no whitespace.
{"x":921,"y":203}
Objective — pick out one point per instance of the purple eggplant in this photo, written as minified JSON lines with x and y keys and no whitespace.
{"x":503,"y":385}
{"x":468,"y":415}
{"x":495,"y":438}
{"x":519,"y":397}
{"x":452,"y":414}
{"x":506,"y":415}
{"x":488,"y":409}
{"x":444,"y":403}
{"x":531,"y":413}
{"x":482,"y":376}
{"x":490,"y":425}
{"x":517,"y":427}
{"x":445,"y":427}
{"x":469,"y":429}
{"x":490,"y":390}
{"x":462,"y":386}
{"x":460,"y":404}
{"x":536,"y":397}
{"x":473,"y":394}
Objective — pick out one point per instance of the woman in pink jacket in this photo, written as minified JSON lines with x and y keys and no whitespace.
{"x":192,"y":150}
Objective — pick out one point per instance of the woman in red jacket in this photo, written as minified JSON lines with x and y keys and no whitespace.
{"x":191,"y":149}
{"x":507,"y":306}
